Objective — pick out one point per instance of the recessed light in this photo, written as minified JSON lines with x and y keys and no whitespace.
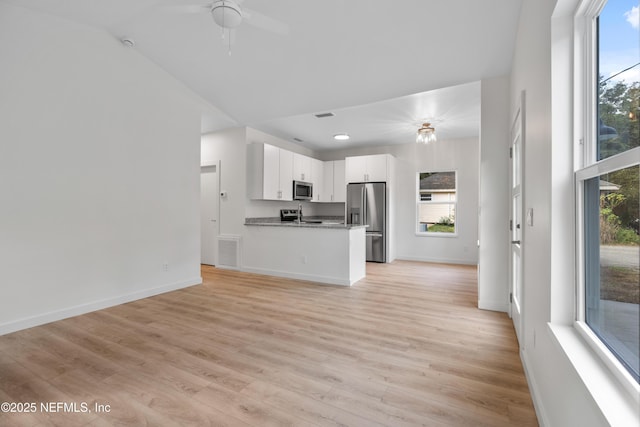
{"x":341,"y":137}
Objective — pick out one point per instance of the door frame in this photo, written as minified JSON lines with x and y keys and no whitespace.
{"x":203,"y":168}
{"x":516,"y":220}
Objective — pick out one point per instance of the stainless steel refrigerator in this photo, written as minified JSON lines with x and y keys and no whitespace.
{"x":367,"y":205}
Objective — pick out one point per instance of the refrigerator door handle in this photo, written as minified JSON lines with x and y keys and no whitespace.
{"x":363,"y":217}
{"x":374,"y":234}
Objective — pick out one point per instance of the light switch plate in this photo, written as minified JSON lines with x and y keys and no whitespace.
{"x":530,"y":217}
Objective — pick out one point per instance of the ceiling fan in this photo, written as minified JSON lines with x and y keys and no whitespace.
{"x":228,"y":15}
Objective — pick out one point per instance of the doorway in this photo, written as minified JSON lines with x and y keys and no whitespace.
{"x":209,"y":213}
{"x":516,"y":289}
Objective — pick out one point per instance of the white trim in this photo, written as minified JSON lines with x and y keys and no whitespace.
{"x":437,"y":260}
{"x":435,"y":234}
{"x":610,"y":361}
{"x":493,"y":306}
{"x":534,"y":389}
{"x":64,"y":313}
{"x":617,"y":405}
{"x":323,"y":280}
{"x":610,"y":164}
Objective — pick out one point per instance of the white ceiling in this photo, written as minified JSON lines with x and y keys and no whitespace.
{"x":368,"y":61}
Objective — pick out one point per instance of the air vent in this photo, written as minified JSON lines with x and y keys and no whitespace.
{"x":323,"y":115}
{"x":229,"y":252}
{"x":298,"y":140}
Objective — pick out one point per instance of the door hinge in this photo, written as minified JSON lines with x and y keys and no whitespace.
{"x":511,"y":152}
{"x":511,"y":297}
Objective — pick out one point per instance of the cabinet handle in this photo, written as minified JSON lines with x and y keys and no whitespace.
{"x":302,"y":175}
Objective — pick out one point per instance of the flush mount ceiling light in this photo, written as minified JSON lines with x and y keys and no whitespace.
{"x":341,"y":137}
{"x":426,"y":134}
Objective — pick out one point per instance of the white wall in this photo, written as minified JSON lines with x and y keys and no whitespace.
{"x":560,"y":396}
{"x":493,"y":286}
{"x":98,"y":172}
{"x":229,"y":147}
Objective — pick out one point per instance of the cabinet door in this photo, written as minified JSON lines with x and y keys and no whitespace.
{"x":301,"y":167}
{"x":286,"y":175}
{"x":317,"y":179}
{"x":271,"y":173}
{"x":339,"y":183}
{"x":377,"y":167}
{"x":327,"y":195}
{"x":356,"y":169}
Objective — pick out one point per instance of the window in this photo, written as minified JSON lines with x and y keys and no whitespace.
{"x":436,"y":202}
{"x":609,"y":186}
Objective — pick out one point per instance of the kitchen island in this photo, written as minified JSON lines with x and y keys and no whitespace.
{"x":323,"y":251}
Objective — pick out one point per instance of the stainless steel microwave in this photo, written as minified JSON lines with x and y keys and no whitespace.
{"x":302,"y":190}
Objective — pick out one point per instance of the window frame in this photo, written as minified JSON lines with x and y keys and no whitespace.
{"x":431,"y":202}
{"x":587,"y":166}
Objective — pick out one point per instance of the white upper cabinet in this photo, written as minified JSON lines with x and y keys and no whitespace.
{"x":339,"y":182}
{"x":269,"y":172}
{"x":301,"y":167}
{"x":286,"y":176}
{"x":317,"y":179}
{"x":373,"y":168}
{"x":334,"y":182}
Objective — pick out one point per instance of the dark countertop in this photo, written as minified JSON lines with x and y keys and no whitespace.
{"x":314,"y":222}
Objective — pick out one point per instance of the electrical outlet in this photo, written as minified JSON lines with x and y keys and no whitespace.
{"x":165,"y":266}
{"x":304,"y":259}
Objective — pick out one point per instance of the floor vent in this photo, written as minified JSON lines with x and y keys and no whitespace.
{"x":229,"y":251}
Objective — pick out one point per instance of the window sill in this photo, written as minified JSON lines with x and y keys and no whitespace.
{"x":436,"y":234}
{"x":618,"y":401}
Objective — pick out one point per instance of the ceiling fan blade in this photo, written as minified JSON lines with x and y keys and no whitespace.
{"x":188,"y":8}
{"x":261,"y":21}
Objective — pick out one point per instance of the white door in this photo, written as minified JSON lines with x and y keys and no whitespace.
{"x":516,"y":225}
{"x":209,"y":208}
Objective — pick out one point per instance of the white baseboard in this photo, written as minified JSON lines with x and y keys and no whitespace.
{"x":543,"y":420}
{"x":299,"y":276}
{"x":437,"y":260}
{"x":52,"y":316}
{"x":493,"y":306}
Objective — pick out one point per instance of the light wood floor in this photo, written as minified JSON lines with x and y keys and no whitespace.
{"x":404,"y":347}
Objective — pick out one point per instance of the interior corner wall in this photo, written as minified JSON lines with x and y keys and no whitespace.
{"x":493,"y":212}
{"x":99,"y":176}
